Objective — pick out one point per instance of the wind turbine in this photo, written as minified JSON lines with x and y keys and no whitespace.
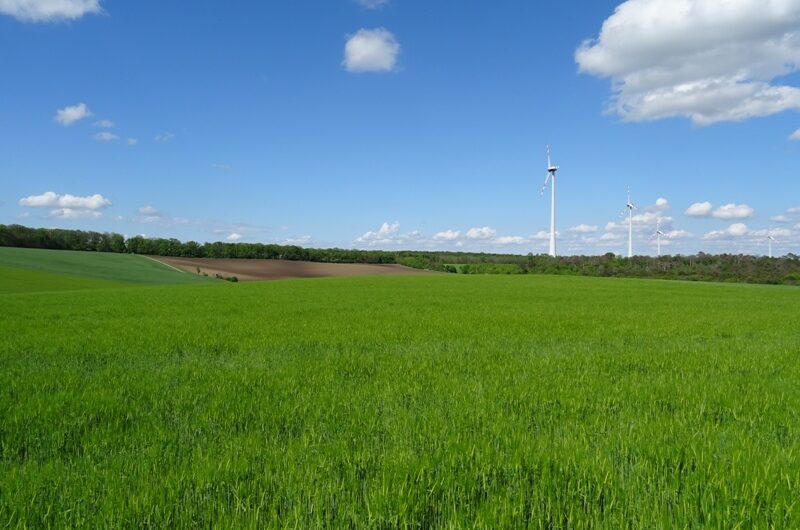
{"x":659,"y":233}
{"x":770,"y":239}
{"x":551,"y":175}
{"x":630,"y":207}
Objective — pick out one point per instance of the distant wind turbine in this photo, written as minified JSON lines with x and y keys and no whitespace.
{"x":630,"y":207}
{"x":770,"y":239}
{"x":551,"y":176}
{"x":659,"y":233}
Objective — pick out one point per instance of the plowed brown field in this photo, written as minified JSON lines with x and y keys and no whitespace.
{"x":276,"y":269}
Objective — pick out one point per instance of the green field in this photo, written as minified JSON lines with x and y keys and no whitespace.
{"x":431,"y":401}
{"x":108,"y":266}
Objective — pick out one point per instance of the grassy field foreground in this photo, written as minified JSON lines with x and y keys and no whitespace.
{"x":548,"y":402}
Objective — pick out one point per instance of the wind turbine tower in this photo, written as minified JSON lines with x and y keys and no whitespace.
{"x":659,"y":233}
{"x":551,"y":176}
{"x":770,"y":239}
{"x":630,"y":207}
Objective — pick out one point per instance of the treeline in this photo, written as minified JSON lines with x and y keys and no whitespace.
{"x":700,"y":267}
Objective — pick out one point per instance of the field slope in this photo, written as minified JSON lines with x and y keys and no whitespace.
{"x":70,"y":265}
{"x":420,"y":401}
{"x":278,"y":269}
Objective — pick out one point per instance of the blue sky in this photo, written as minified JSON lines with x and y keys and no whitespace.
{"x":405,"y":124}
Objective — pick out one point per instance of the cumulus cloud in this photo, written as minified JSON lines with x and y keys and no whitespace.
{"x":485,"y":232}
{"x":774,"y":232}
{"x":707,"y":60}
{"x":234,"y":237}
{"x":583,"y":229}
{"x":734,"y":230}
{"x":677,"y":234}
{"x":371,"y":50}
{"x":608,"y":236}
{"x":102,"y":124}
{"x":795,"y":136}
{"x":510,"y":240}
{"x":72,"y":213}
{"x":699,"y":209}
{"x":48,"y":10}
{"x":105,"y":136}
{"x":70,"y":114}
{"x":447,"y":235}
{"x":733,"y":211}
{"x":51,"y":199}
{"x":795,"y":209}
{"x":542,"y":235}
{"x":780,"y":219}
{"x":384,"y":235}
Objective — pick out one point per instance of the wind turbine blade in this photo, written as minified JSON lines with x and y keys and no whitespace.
{"x":544,"y":186}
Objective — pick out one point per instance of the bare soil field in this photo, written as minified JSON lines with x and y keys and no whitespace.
{"x":276,"y":269}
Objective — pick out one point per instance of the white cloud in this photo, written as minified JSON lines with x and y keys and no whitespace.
{"x":447,"y":235}
{"x":149,"y":211}
{"x":510,"y":240}
{"x":373,"y":4}
{"x":699,"y":209}
{"x":662,"y":203}
{"x":105,"y":136}
{"x":164,"y":137}
{"x":779,"y":219}
{"x":583,"y":229}
{"x":133,"y":141}
{"x":542,"y":235}
{"x":795,"y":136}
{"x":384,"y":235}
{"x":733,"y":211}
{"x":234,"y":237}
{"x":677,"y":234}
{"x":72,"y":213}
{"x":485,"y":232}
{"x":371,"y":50}
{"x":51,"y":199}
{"x":298,"y":241}
{"x":774,"y":232}
{"x":608,"y":236}
{"x":48,"y":10}
{"x":734,"y":230}
{"x":707,"y":60}
{"x":70,"y":114}
{"x":796,"y":209}
{"x":102,"y":124}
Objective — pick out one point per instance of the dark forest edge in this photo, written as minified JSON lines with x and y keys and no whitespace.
{"x":699,"y":267}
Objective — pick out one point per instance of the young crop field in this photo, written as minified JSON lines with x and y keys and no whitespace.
{"x":125,"y":268}
{"x":421,"y":401}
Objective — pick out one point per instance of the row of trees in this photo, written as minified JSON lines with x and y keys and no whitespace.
{"x":705,"y":267}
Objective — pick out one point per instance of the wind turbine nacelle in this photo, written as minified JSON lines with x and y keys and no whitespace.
{"x":552,"y":169}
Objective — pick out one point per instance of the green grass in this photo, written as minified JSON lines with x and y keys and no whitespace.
{"x":431,"y":401}
{"x":25,"y":281}
{"x":126,"y":268}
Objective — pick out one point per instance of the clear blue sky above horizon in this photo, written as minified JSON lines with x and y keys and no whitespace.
{"x":405,"y":124}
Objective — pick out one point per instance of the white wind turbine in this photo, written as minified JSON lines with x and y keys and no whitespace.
{"x":770,"y":239}
{"x":630,"y":207}
{"x":659,"y":233}
{"x":551,"y":176}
